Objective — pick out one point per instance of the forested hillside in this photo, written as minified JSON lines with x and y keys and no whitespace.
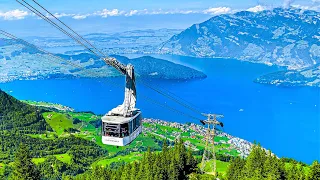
{"x":20,"y":122}
{"x":176,"y":163}
{"x":15,"y":114}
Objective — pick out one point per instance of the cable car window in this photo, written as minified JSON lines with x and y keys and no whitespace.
{"x":134,"y":124}
{"x":124,"y":130}
{"x":112,"y":130}
{"x":130,"y":127}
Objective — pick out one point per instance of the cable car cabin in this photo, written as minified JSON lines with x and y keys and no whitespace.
{"x":120,"y":130}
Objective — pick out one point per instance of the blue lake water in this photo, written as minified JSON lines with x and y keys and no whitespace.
{"x":285,"y":120}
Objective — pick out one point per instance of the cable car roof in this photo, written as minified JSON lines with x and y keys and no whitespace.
{"x":118,"y":119}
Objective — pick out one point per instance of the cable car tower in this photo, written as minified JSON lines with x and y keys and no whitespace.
{"x":209,"y":151}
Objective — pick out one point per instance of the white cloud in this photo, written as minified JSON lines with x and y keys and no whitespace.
{"x":287,"y":3}
{"x":132,"y":12}
{"x":59,"y":15}
{"x":218,"y":10}
{"x":159,"y":11}
{"x":257,"y":8}
{"x":14,"y":14}
{"x":78,"y":17}
{"x":188,"y":12}
{"x":313,"y":8}
{"x":105,"y":13}
{"x":18,"y":14}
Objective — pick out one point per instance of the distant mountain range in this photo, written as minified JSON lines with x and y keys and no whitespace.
{"x":286,"y":37}
{"x":18,"y":61}
{"x":128,"y":42}
{"x":305,"y":77}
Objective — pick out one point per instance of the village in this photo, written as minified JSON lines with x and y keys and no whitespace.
{"x":198,"y":132}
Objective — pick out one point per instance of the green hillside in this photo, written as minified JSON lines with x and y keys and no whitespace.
{"x":66,"y":135}
{"x":67,"y":144}
{"x":17,"y":115}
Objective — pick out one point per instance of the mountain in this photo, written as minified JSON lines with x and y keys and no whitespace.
{"x":19,"y":62}
{"x":149,"y":67}
{"x":286,"y":37}
{"x":128,"y":42}
{"x":305,"y":77}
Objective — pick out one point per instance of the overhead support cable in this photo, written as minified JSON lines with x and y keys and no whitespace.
{"x":70,"y":28}
{"x":91,"y":48}
{"x":172,"y":98}
{"x":44,"y":17}
{"x":89,"y":72}
{"x":53,"y":58}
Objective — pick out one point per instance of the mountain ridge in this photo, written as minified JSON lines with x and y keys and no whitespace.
{"x":26,"y":63}
{"x":284,"y":37}
{"x":303,"y":77}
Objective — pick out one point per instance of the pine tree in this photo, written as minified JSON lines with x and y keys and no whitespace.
{"x":24,"y":168}
{"x":149,"y":165}
{"x":173,"y":171}
{"x":292,"y":172}
{"x":157,"y":169}
{"x":164,"y":161}
{"x":141,"y":172}
{"x":236,"y":169}
{"x":301,"y":173}
{"x":126,"y":172}
{"x":179,"y":158}
{"x":134,"y":171}
{"x":255,"y":163}
{"x":314,"y":171}
{"x":191,"y":163}
{"x":99,"y":173}
{"x":272,"y":169}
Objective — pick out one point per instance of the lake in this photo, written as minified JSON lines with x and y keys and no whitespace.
{"x":285,"y":120}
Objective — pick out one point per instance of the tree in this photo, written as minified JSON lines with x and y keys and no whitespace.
{"x":314,"y":171}
{"x":272,"y":169}
{"x":236,"y":169}
{"x":301,"y":173}
{"x":134,"y":171}
{"x":24,"y":168}
{"x":157,"y":169}
{"x":255,"y":163}
{"x":126,"y":172}
{"x":191,"y":163}
{"x":173,"y":171}
{"x":292,"y":172}
{"x":141,"y":172}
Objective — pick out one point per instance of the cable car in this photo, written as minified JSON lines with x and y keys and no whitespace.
{"x":119,"y":130}
{"x":122,"y":125}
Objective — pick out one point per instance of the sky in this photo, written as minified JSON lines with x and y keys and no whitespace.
{"x":122,"y":15}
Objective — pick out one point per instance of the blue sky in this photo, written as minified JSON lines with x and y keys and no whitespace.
{"x":95,"y":5}
{"x":83,"y":6}
{"x":120,"y":15}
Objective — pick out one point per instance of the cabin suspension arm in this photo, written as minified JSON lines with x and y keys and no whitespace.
{"x":130,"y":98}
